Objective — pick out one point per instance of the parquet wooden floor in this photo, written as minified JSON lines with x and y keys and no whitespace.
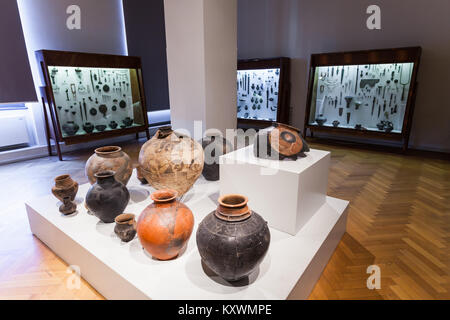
{"x":399,"y":219}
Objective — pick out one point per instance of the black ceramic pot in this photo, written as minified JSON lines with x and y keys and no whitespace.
{"x":113,"y":124}
{"x":233,"y":240}
{"x":70,"y":128}
{"x":107,"y":198}
{"x":321,"y":120}
{"x":127,"y":122}
{"x":100,"y":127}
{"x":88,"y":127}
{"x":213,"y":146}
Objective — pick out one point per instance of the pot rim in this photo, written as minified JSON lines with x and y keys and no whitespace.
{"x":105,"y":150}
{"x":104,"y":174}
{"x":164,"y":195}
{"x":125,"y":218}
{"x":62,"y":177}
{"x":240,"y":204}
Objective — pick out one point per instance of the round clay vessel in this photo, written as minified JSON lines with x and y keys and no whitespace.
{"x":164,"y":227}
{"x":214,"y":145}
{"x":233,"y":240}
{"x":107,"y":198}
{"x":171,"y":161}
{"x":70,"y":128}
{"x":88,"y":127}
{"x":280,"y":141}
{"x":65,"y":187}
{"x":109,"y":158}
{"x":125,"y":226}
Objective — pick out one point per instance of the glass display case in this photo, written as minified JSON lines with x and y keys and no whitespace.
{"x":364,"y":92}
{"x":90,"y":100}
{"x":263,"y":91}
{"x":91,"y":96}
{"x":363,"y":97}
{"x":258,"y":94}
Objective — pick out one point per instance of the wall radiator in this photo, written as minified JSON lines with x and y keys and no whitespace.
{"x":13,"y":131}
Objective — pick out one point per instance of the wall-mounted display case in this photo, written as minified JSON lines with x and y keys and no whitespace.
{"x":91,"y":96}
{"x":366,"y":93}
{"x":263,"y":91}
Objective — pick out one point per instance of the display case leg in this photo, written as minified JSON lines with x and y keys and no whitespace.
{"x":137,"y":135}
{"x":58,"y":150}
{"x":148,"y":134}
{"x":47,"y":128}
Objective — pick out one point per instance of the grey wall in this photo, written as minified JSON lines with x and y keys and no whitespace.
{"x":146,"y":38}
{"x":16,"y":84}
{"x":44,"y":27}
{"x":298,"y":28}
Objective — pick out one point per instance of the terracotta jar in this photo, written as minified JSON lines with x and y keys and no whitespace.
{"x":125,"y":226}
{"x":280,"y":141}
{"x":233,"y":240}
{"x":65,"y":187}
{"x":214,"y":145}
{"x":171,"y":161}
{"x":107,"y":198}
{"x":164,"y":227}
{"x":109,"y":158}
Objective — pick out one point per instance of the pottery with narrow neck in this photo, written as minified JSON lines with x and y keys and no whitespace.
{"x":164,"y":227}
{"x":107,"y":198}
{"x":233,"y":240}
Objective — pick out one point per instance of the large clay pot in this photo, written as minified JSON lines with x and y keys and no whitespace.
{"x":107,"y":198}
{"x":280,"y":141}
{"x":65,"y":187}
{"x":171,"y":161}
{"x":164,"y":227}
{"x":214,"y":145}
{"x":109,"y":158}
{"x":233,"y":240}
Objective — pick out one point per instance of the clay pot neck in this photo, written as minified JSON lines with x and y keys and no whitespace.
{"x":233,"y":208}
{"x":164,"y":132}
{"x":109,"y":152}
{"x":63,"y":181}
{"x":105,"y":177}
{"x":164,"y":196}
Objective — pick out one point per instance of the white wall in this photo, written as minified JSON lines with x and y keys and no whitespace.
{"x":201,"y":63}
{"x":44,"y":27}
{"x":298,"y":28}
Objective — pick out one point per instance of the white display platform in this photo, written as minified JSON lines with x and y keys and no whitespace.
{"x":286,"y":193}
{"x":120,"y":270}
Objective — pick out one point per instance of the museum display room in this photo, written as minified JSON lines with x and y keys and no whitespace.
{"x":224,"y":150}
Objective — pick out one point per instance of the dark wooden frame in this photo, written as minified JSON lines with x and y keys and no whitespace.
{"x":47,"y":58}
{"x":397,"y":55}
{"x":284,"y":90}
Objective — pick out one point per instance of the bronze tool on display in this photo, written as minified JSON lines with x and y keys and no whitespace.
{"x":384,"y":106}
{"x":357,"y":74}
{"x":379,"y":110}
{"x":348,"y":117}
{"x":67,"y":94}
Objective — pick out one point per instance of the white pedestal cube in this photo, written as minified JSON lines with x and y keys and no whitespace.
{"x":285,"y":193}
